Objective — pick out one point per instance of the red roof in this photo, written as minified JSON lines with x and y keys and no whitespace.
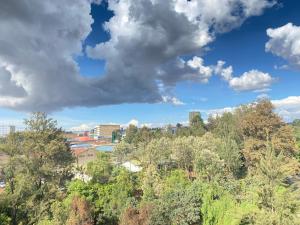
{"x":84,"y":138}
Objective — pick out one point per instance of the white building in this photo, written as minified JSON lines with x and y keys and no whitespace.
{"x":6,"y":130}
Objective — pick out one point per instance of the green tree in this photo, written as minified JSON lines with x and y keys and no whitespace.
{"x":124,"y":152}
{"x":183,"y":152}
{"x":197,"y":126}
{"x":39,"y":165}
{"x":131,"y":133}
{"x":178,"y":207}
{"x":101,"y":168}
{"x":157,"y":153}
{"x":277,"y":203}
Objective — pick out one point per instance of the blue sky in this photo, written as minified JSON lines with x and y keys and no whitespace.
{"x":243,"y":48}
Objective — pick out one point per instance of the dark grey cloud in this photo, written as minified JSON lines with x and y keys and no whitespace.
{"x":8,"y":87}
{"x":39,"y":40}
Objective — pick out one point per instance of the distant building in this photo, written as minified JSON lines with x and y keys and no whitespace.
{"x":170,"y":129}
{"x":6,"y":130}
{"x":105,"y":131}
{"x":192,"y":115}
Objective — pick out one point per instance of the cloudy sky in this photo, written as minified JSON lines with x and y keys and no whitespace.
{"x":147,"y":61}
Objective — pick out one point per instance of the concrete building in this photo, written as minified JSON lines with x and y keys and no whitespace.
{"x":192,"y":115}
{"x":105,"y":131}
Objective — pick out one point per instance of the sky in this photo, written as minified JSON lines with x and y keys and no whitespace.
{"x":147,"y":62}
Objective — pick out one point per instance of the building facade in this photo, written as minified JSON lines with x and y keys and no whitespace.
{"x":105,"y":131}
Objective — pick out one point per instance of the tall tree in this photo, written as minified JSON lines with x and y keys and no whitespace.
{"x":131,"y":133}
{"x":40,"y":163}
{"x":261,"y":125}
{"x":80,"y":213}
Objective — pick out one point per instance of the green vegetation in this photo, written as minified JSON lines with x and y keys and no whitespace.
{"x":296,"y":126}
{"x":238,"y":169}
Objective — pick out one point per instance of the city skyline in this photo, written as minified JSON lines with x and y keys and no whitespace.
{"x":131,"y":68}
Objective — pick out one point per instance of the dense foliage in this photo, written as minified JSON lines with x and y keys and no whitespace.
{"x":240,"y":168}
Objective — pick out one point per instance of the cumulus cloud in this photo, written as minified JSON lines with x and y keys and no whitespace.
{"x":134,"y":122}
{"x":37,"y":46}
{"x":220,"y":111}
{"x":288,"y":108}
{"x":285,"y":42}
{"x":252,"y":80}
{"x":225,"y":72}
{"x":82,"y":127}
{"x":9,"y":87}
{"x":172,"y":100}
{"x":39,"y":43}
{"x":184,"y":70}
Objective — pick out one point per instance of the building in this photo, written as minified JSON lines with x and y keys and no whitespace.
{"x":192,"y":115}
{"x":6,"y":129}
{"x":105,"y":132}
{"x":84,"y":155}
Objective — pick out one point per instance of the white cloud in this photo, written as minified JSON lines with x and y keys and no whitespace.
{"x":197,"y":64}
{"x":263,"y":96}
{"x":288,"y":108}
{"x":134,"y":122}
{"x":220,"y":111}
{"x":82,"y":127}
{"x":172,"y":100}
{"x":38,"y":45}
{"x":225,"y":73}
{"x":252,"y":80}
{"x":285,"y":42}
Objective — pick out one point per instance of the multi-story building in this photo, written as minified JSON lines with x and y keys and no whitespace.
{"x":105,"y":131}
{"x":192,"y":115}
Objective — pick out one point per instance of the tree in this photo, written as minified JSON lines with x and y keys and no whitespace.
{"x":40,"y":163}
{"x":197,"y":121}
{"x":197,"y":126}
{"x":131,"y":133}
{"x":121,"y":195}
{"x":226,"y":126}
{"x":123,"y":151}
{"x":80,"y":212}
{"x":116,"y":136}
{"x":178,"y":207}
{"x":209,"y":166}
{"x":183,"y":152}
{"x":157,"y":153}
{"x":296,"y":129}
{"x":260,"y":125}
{"x":277,"y":203}
{"x":137,"y":216}
{"x":100,"y":169}
{"x":151,"y":183}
